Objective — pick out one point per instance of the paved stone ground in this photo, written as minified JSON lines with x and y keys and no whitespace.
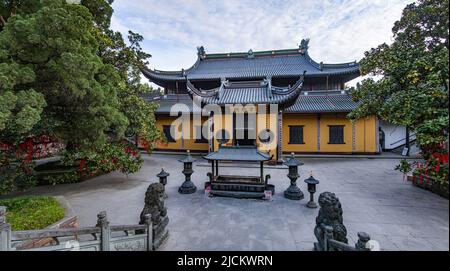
{"x":375,"y":199}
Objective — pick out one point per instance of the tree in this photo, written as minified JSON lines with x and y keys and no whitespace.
{"x":80,"y":91}
{"x":128,"y":60}
{"x":65,"y":74}
{"x":413,"y":70}
{"x":10,"y":8}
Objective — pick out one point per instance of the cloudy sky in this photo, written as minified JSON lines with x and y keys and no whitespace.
{"x":339,"y":30}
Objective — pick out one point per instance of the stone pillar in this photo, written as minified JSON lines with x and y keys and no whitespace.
{"x":149,"y":223}
{"x":5,"y":231}
{"x":105,"y":232}
{"x":363,"y":238}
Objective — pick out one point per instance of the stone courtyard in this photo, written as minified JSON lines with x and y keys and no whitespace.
{"x":374,"y":196}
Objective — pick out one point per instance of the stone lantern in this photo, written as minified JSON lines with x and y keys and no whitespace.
{"x":188,"y":186}
{"x":293,"y":192}
{"x":311,"y":189}
{"x":163,"y":179}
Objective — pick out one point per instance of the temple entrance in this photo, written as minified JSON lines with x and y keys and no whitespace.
{"x":243,"y":130}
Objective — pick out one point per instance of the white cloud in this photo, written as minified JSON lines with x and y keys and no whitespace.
{"x":340,"y":30}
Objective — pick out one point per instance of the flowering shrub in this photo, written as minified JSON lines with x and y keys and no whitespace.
{"x":16,"y":161}
{"x":110,"y":157}
{"x":435,"y":167}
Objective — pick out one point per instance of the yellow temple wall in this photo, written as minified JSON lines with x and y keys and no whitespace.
{"x":309,"y":132}
{"x":366,"y":135}
{"x":190,"y":144}
{"x":271,"y":122}
{"x":181,"y":144}
{"x":335,"y":119}
{"x":364,"y":131}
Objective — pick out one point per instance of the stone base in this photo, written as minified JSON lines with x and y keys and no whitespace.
{"x":187,"y":187}
{"x":293,"y":195}
{"x":318,"y":247}
{"x":237,"y":194}
{"x":311,"y":204}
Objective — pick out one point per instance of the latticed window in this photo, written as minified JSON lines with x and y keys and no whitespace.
{"x":296,"y":134}
{"x":166,"y":131}
{"x":198,"y":132}
{"x":336,"y":134}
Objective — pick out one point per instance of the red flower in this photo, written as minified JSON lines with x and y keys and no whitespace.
{"x":82,"y":164}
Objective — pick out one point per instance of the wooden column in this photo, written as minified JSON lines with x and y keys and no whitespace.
{"x":280,"y":137}
{"x":318,"y":132}
{"x":262,"y":171}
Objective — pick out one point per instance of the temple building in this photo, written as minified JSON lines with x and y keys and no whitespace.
{"x":311,"y":98}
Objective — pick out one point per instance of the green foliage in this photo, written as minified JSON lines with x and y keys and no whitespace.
{"x":404,"y":166}
{"x":413,"y":70}
{"x":71,"y":176}
{"x":32,"y":213}
{"x":16,"y":176}
{"x":20,"y":108}
{"x":64,"y":73}
{"x":57,"y":46}
{"x":127,"y":60}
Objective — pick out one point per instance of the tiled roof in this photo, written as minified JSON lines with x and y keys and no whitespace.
{"x":322,"y":103}
{"x":167,"y":101}
{"x":311,"y":103}
{"x":238,"y":153}
{"x":245,"y":96}
{"x":281,"y":63}
{"x":249,"y":92}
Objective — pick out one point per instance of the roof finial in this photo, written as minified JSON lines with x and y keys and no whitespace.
{"x":250,"y":54}
{"x":303,"y":47}
{"x":201,"y":52}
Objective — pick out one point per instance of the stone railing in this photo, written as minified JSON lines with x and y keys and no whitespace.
{"x":330,"y":231}
{"x":102,"y":237}
{"x":149,"y":234}
{"x":328,"y":242}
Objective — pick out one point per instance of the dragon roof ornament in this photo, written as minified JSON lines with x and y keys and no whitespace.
{"x":201,"y":52}
{"x":303,"y":47}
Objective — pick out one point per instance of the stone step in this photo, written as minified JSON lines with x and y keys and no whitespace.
{"x":237,"y":194}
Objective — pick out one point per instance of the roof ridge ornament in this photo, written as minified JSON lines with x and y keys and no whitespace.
{"x":268,"y":83}
{"x":303,"y":47}
{"x":250,"y":54}
{"x":201,"y":52}
{"x":224,"y":82}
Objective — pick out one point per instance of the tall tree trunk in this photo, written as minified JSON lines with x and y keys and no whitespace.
{"x":2,"y":21}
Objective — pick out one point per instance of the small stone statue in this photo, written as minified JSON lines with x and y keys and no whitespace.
{"x":330,"y":215}
{"x":154,"y":205}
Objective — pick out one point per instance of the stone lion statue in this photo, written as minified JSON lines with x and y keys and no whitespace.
{"x":154,"y":204}
{"x":330,"y":214}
